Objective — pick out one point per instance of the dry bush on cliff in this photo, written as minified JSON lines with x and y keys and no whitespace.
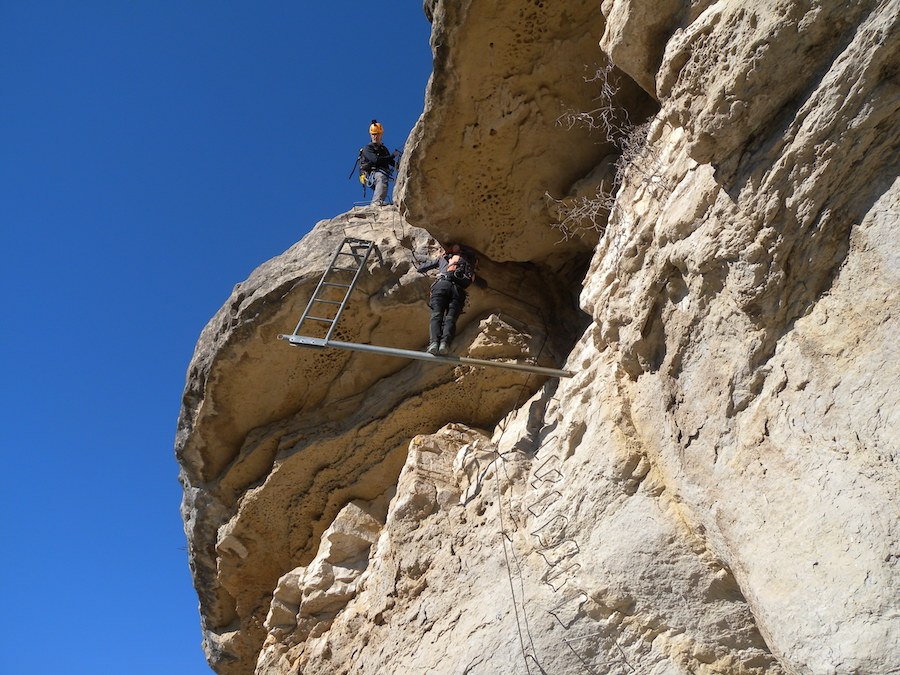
{"x":578,"y":214}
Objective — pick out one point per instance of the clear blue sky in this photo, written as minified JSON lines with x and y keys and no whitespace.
{"x":152,"y":153}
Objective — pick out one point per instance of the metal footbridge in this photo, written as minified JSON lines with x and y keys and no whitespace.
{"x":331,"y":296}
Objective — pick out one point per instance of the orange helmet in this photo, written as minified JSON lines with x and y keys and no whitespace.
{"x":376,"y":128}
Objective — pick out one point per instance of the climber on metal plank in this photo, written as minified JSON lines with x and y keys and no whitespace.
{"x":376,"y":165}
{"x":457,"y":263}
{"x":456,"y":272}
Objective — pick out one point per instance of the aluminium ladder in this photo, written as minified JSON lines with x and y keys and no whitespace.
{"x":326,"y":305}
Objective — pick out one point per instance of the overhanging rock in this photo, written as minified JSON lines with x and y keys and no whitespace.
{"x":274,"y":441}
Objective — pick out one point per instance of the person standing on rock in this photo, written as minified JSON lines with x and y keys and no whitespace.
{"x":377,"y":163}
{"x":456,"y":271}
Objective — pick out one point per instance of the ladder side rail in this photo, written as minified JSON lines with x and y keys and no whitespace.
{"x":348,"y":288}
{"x":315,"y":294}
{"x":359,"y":269}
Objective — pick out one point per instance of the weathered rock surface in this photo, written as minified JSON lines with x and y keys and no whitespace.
{"x":716,"y":489}
{"x":275,"y":440}
{"x":490,"y":523}
{"x":488,"y":148}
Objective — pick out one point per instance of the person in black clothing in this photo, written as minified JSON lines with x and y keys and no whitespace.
{"x":456,"y":270}
{"x":377,"y":164}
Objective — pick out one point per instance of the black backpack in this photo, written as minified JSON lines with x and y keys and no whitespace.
{"x":462,"y":270}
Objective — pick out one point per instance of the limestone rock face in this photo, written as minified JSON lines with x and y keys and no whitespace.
{"x":488,"y":148}
{"x":488,"y":520}
{"x":636,"y":35}
{"x":715,"y":489}
{"x":275,"y":440}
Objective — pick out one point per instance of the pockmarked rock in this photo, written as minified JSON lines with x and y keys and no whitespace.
{"x":491,"y":149}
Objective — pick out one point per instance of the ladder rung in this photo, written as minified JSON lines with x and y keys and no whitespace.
{"x":351,"y":254}
{"x":319,"y":318}
{"x":328,"y":283}
{"x":342,"y":269}
{"x":328,"y":302}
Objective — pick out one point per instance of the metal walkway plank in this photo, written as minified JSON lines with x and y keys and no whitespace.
{"x":321,"y":343}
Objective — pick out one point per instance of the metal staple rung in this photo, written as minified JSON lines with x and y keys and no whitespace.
{"x":328,"y":283}
{"x":330,"y":302}
{"x":319,"y":318}
{"x":342,"y":269}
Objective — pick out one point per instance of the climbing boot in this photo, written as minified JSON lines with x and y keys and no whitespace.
{"x":444,"y":348}
{"x":433,"y":348}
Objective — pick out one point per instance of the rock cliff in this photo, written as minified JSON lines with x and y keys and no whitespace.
{"x":714,"y":491}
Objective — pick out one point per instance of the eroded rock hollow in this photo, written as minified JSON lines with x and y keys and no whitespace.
{"x":714,"y":491}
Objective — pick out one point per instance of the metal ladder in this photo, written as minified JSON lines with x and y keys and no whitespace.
{"x":326,"y":304}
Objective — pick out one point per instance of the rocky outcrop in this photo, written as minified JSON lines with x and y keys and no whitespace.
{"x":489,"y":148}
{"x":274,"y":441}
{"x":488,"y":520}
{"x":713,"y":492}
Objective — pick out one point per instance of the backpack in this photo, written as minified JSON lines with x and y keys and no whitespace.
{"x":462,"y":270}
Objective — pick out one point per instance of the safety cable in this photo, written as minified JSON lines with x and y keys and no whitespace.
{"x":498,"y":455}
{"x":512,"y":588}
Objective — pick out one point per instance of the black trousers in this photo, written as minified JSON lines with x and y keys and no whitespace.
{"x":447,"y":300}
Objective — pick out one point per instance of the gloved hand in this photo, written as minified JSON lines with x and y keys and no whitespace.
{"x":362,"y":179}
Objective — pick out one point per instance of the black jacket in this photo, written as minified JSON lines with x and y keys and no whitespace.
{"x":443,"y":262}
{"x":376,"y":157}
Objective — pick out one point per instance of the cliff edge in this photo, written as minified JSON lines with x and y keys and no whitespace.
{"x":714,"y":491}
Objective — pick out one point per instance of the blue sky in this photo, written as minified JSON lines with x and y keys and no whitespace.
{"x":152,"y":153}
